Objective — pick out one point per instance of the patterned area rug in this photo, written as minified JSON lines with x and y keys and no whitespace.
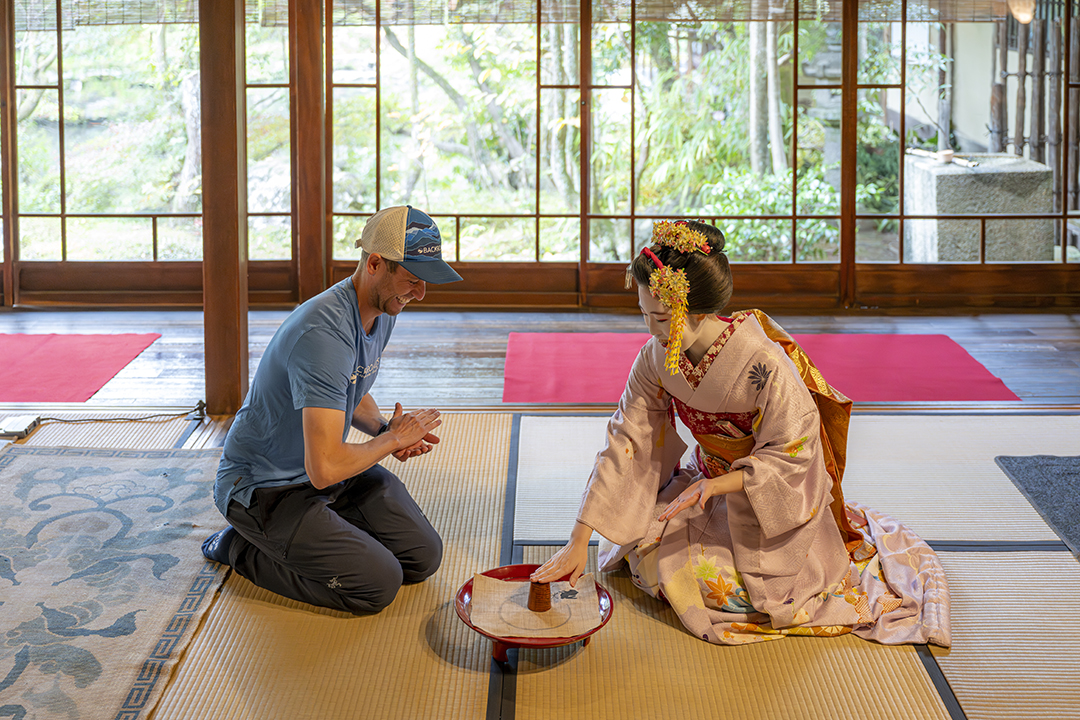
{"x":102,"y":581}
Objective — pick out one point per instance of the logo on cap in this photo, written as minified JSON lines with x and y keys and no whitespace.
{"x":422,"y":239}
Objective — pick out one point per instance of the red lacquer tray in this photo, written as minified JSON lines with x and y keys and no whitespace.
{"x":521,"y":573}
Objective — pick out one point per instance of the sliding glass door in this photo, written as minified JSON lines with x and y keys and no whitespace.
{"x":874,"y":154}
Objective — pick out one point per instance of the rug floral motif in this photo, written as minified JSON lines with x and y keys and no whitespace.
{"x":102,"y":581}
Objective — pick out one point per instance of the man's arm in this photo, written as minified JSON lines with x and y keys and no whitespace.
{"x":367,"y":418}
{"x":328,"y":460}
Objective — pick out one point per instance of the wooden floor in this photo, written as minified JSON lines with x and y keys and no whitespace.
{"x":451,"y":359}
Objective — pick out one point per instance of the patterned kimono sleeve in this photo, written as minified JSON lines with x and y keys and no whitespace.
{"x":642,"y":450}
{"x":784,"y":477}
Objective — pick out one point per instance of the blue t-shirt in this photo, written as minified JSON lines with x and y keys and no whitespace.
{"x":319,"y":357}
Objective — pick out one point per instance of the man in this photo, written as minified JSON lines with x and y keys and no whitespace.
{"x":312,"y":517}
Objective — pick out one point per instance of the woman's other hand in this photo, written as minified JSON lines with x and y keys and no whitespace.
{"x":700,"y":491}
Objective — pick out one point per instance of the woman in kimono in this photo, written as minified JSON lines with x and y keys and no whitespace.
{"x":751,"y":539}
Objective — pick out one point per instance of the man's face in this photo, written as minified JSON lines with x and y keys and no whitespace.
{"x":392,"y":291}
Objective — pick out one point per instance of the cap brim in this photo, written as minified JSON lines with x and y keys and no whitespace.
{"x":432,"y":270}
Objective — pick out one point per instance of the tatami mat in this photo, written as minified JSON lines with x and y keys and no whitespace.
{"x":921,"y":469}
{"x":1016,"y":635}
{"x":210,"y":432}
{"x":555,"y":457}
{"x":643,"y":664}
{"x":937,"y":473}
{"x":149,"y":434}
{"x":260,"y":656}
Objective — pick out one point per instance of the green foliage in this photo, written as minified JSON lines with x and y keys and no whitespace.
{"x":470,"y":143}
{"x":123,"y":125}
{"x":690,"y":128}
{"x":354,"y":152}
{"x":877,"y":166}
{"x":768,"y":240}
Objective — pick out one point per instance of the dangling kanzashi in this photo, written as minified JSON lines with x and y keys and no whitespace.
{"x":671,"y":286}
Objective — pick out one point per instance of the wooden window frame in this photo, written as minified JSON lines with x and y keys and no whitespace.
{"x":789,"y":286}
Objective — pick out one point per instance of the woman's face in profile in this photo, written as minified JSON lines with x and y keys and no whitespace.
{"x":658,"y":320}
{"x":657,"y":315}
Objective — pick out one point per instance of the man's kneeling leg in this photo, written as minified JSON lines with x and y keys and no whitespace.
{"x":296,"y":546}
{"x":377,"y":502}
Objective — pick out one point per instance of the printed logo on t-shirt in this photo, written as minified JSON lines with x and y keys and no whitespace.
{"x":362,"y":372}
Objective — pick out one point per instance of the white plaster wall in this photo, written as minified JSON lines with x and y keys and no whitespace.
{"x":973,"y":72}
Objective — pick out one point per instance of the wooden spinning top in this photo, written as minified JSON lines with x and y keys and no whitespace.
{"x":539,"y":596}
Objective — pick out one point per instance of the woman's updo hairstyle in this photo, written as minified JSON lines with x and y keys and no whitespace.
{"x":709,"y":275}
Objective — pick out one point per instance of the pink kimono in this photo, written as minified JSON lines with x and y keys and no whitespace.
{"x":769,"y":560}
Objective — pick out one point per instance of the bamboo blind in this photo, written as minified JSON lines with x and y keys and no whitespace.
{"x":42,"y":14}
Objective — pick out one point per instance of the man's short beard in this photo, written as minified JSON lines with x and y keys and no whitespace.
{"x":382,"y":303}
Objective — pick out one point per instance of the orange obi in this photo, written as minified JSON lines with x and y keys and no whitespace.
{"x":715,"y":453}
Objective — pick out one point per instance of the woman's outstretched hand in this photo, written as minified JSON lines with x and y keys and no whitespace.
{"x":569,"y":560}
{"x":701,"y":491}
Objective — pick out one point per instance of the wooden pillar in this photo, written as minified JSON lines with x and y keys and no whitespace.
{"x":1037,"y":131}
{"x":9,"y":154}
{"x":1053,"y":141}
{"x":999,"y":109}
{"x":1021,"y":88}
{"x":1072,"y":103}
{"x":944,"y":118}
{"x":586,"y":142}
{"x":224,"y":182}
{"x":307,"y":101}
{"x":849,"y":116}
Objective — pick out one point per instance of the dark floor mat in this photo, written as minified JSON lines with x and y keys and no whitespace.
{"x":1052,"y":485}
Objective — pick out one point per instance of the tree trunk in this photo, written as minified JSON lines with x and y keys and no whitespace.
{"x":571,"y":110}
{"x":1038,"y":90}
{"x":476,"y":147}
{"x":1053,"y":141}
{"x":776,"y":133}
{"x":190,"y":183}
{"x":416,"y":165}
{"x":944,"y":119}
{"x":35,"y":64}
{"x":1021,"y":89}
{"x":558,"y":117}
{"x":759,"y":112}
{"x":518,"y":173}
{"x":161,"y":54}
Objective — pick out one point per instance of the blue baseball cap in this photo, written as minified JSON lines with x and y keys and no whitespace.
{"x":411,"y":238}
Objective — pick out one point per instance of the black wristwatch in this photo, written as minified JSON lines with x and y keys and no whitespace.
{"x":384,"y":428}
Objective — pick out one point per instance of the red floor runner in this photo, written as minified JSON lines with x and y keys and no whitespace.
{"x":63,"y":368}
{"x":592,"y":367}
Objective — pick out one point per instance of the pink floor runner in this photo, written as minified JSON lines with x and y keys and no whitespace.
{"x":592,"y":367}
{"x":64,"y":368}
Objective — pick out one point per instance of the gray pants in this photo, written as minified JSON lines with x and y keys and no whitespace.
{"x":348,"y":547}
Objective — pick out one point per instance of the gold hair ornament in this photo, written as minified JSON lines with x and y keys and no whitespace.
{"x":681,"y":236}
{"x":669,"y":285}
